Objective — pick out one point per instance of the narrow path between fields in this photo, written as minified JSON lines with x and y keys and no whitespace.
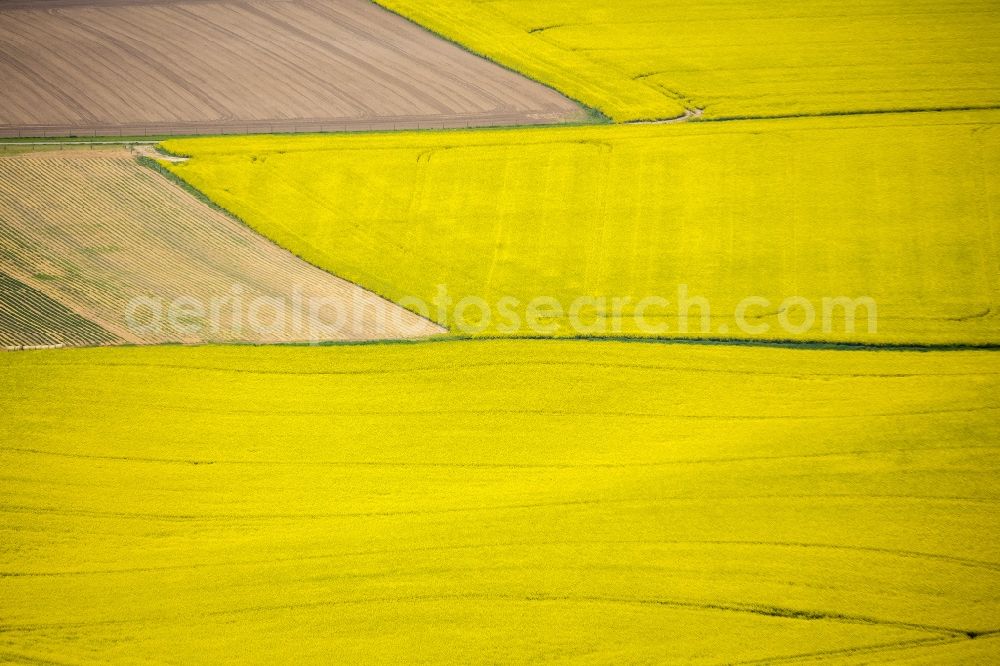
{"x":152,"y":152}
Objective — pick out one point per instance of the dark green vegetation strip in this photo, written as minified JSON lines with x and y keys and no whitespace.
{"x":29,"y":318}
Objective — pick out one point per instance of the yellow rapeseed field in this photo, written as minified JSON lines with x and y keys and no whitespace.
{"x":645,"y":59}
{"x":751,"y":214}
{"x":456,"y":501}
{"x":514,"y":500}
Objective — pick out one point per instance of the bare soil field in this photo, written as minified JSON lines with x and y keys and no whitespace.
{"x":111,"y":252}
{"x":109,"y":67}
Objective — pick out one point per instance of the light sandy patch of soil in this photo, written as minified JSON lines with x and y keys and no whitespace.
{"x":117,"y":244}
{"x":150,"y":151}
{"x":126,"y":67}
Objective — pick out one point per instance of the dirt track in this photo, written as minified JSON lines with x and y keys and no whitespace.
{"x":111,"y":67}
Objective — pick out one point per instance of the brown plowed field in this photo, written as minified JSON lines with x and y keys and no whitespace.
{"x":94,"y":236}
{"x":108,"y":67}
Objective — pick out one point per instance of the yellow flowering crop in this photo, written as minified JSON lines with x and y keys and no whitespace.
{"x":642,"y":59}
{"x":501,"y":500}
{"x":893,"y":210}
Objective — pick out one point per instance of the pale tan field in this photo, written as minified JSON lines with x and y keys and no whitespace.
{"x":94,"y":230}
{"x":161,"y":67}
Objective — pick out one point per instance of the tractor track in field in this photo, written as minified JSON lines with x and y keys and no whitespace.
{"x":689,"y":115}
{"x":682,"y":604}
{"x":698,"y":114}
